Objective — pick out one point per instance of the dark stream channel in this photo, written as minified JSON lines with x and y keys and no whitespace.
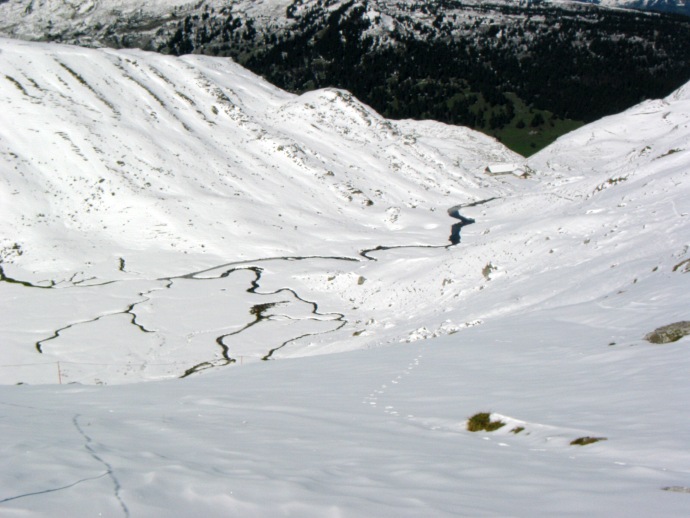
{"x":257,"y":311}
{"x":454,"y":212}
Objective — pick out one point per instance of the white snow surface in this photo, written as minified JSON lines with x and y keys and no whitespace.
{"x":164,"y":217}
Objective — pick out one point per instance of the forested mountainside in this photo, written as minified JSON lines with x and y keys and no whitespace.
{"x":524,"y":72}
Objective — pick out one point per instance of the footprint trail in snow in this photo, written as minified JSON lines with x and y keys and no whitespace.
{"x":380,"y":392}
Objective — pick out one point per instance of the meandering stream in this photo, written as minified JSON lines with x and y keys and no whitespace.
{"x":280,"y":307}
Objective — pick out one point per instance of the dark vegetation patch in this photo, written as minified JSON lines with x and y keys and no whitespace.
{"x":584,"y":441}
{"x":259,"y":310}
{"x":482,"y":421}
{"x":683,"y":266}
{"x":17,"y":84}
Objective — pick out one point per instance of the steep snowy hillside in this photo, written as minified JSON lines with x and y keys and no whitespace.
{"x":198,"y":217}
{"x":180,"y":218}
{"x":137,"y":167}
{"x":370,"y":433}
{"x":143,"y":169}
{"x":192,"y":155}
{"x":514,"y":70}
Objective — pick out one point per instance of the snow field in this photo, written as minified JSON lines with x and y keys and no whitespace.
{"x":147,"y":236}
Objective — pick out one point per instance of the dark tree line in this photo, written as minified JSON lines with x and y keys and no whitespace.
{"x":578,"y":63}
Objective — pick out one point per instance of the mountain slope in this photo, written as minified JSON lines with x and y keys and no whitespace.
{"x":127,"y":196}
{"x":137,"y":149}
{"x":513,"y":70}
{"x":368,"y":433}
{"x":538,"y":315}
{"x":135,"y":167}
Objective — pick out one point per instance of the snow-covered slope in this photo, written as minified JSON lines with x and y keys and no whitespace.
{"x":324,"y":230}
{"x":89,"y":20}
{"x":670,"y":6}
{"x":369,"y":433}
{"x":545,"y":53}
{"x":138,"y":182}
{"x":37,"y":19}
{"x":130,"y":151}
{"x":107,"y":21}
{"x":139,"y":23}
{"x":136,"y":167}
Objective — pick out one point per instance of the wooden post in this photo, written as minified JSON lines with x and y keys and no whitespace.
{"x":59,"y":373}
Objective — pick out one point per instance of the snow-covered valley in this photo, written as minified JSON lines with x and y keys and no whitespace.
{"x":166,"y":218}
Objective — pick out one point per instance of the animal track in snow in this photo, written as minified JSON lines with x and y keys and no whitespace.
{"x":373,"y":397}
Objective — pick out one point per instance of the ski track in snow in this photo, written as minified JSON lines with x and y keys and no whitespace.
{"x":53,"y":489}
{"x":88,"y":445}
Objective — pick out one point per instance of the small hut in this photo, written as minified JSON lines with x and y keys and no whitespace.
{"x":502,"y":169}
